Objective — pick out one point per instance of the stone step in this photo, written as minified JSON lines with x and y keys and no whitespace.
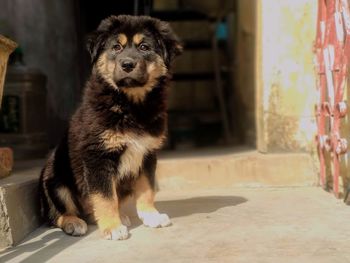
{"x":18,"y":203}
{"x":207,"y":169}
{"x":241,"y":168}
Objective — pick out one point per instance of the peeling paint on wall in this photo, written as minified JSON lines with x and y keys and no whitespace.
{"x":287,"y":80}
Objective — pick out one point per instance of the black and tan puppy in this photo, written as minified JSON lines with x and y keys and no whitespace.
{"x":109,"y":151}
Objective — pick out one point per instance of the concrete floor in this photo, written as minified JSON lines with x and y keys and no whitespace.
{"x":240,"y":225}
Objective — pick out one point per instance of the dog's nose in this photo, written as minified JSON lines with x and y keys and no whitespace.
{"x":128,"y":65}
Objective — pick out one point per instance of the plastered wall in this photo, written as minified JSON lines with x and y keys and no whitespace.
{"x":285,"y":75}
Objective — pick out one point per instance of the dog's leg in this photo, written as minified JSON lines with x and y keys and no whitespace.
{"x":144,"y":194}
{"x":100,"y":174}
{"x":69,"y":222}
{"x":57,"y":202}
{"x":108,"y":218}
{"x":145,"y":205}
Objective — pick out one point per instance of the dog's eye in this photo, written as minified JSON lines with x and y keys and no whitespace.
{"x":144,"y":47}
{"x":117,"y":47}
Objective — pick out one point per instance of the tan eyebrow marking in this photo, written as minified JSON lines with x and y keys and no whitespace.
{"x":137,"y":38}
{"x":122,"y":39}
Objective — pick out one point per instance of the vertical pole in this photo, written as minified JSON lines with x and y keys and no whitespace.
{"x":219,"y":87}
{"x":321,"y":86}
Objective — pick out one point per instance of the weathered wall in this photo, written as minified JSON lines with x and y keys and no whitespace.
{"x":286,"y":91}
{"x":45,"y":30}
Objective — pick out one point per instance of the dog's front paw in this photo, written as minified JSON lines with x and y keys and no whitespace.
{"x":118,"y":233}
{"x":154,"y":219}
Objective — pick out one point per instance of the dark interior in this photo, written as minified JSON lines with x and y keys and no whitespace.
{"x":204,"y":105}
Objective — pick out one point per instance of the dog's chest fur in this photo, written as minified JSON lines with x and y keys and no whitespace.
{"x":128,"y":130}
{"x":134,"y":149}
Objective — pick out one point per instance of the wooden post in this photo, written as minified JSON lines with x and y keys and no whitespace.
{"x":6,"y":154}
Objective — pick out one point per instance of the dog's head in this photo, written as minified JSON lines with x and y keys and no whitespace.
{"x":131,"y":52}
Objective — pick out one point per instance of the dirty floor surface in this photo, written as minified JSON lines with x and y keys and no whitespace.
{"x":241,"y":225}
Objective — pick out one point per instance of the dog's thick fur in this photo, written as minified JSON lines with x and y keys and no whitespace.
{"x":109,"y":150}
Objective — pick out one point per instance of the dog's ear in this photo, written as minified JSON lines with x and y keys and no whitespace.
{"x":95,"y":41}
{"x":169,"y":41}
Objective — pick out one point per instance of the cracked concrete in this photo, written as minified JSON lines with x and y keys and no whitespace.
{"x":285,"y":225}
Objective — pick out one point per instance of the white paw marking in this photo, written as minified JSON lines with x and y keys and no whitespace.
{"x":154,"y":219}
{"x":119,"y":233}
{"x":125,"y":220}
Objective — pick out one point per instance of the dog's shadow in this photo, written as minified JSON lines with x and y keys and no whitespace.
{"x":186,"y":207}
